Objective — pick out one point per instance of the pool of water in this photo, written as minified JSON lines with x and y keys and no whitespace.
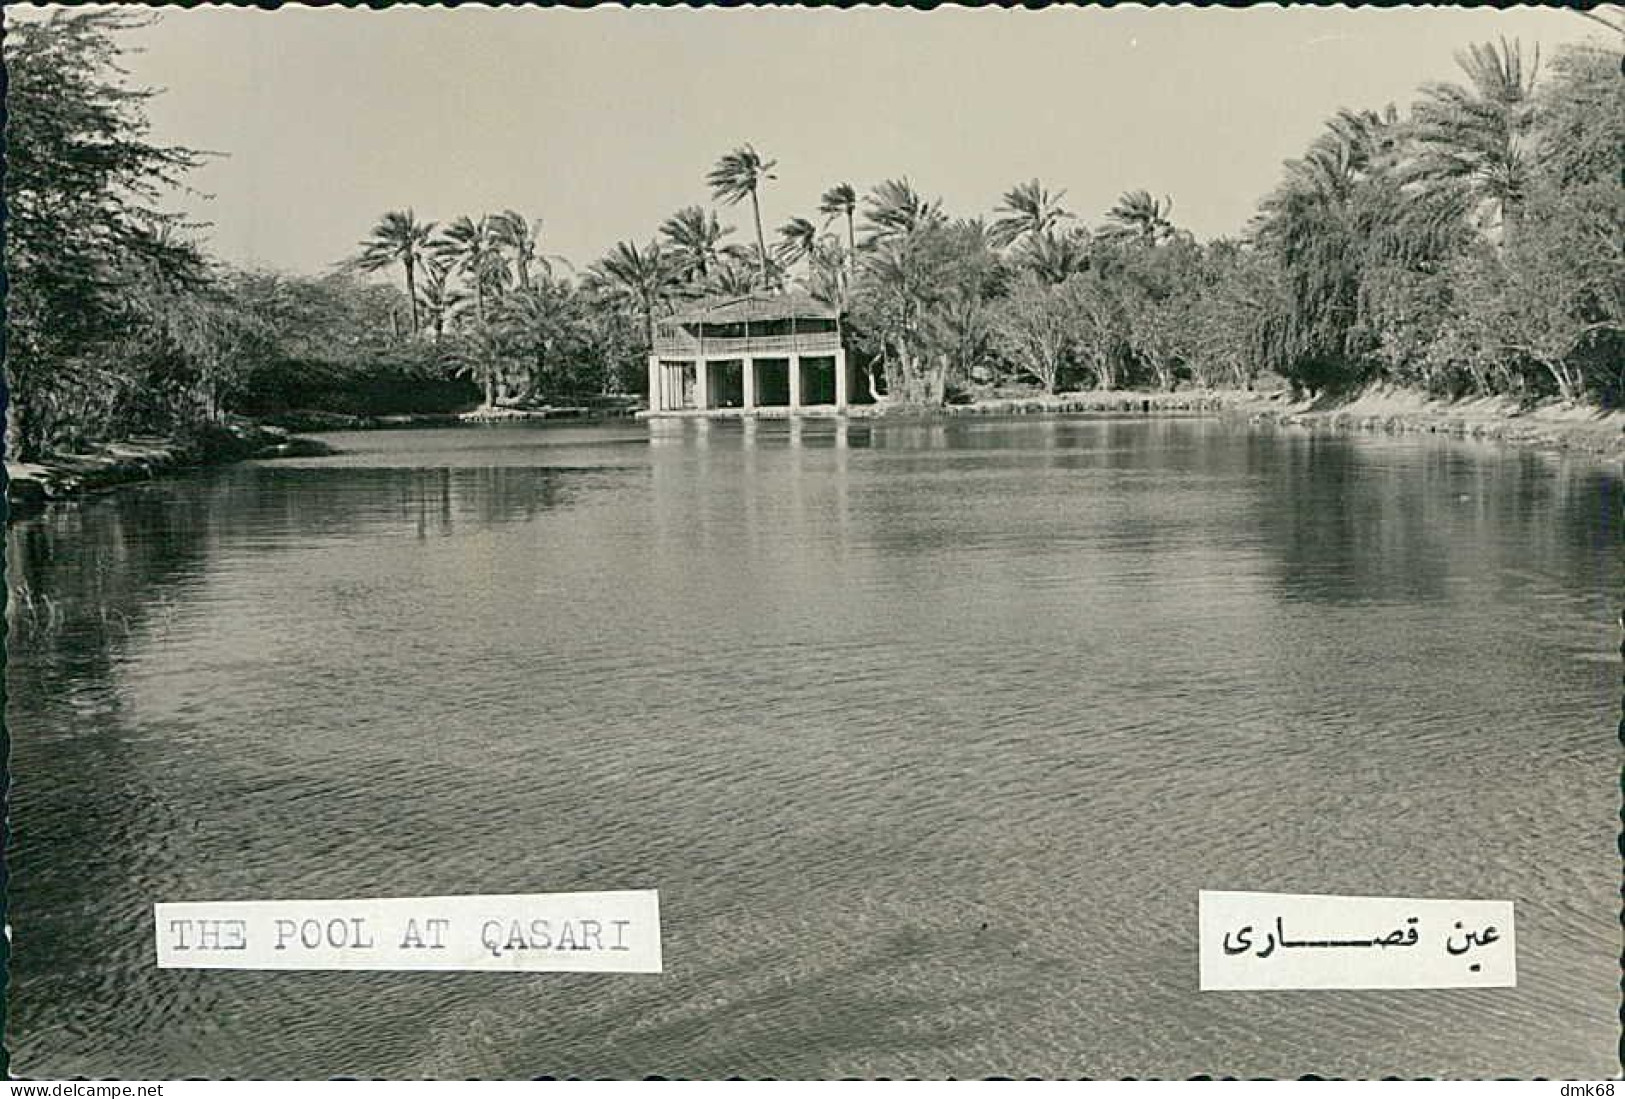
{"x":927,"y":733}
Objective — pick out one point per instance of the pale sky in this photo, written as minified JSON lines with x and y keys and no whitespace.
{"x":604,"y":122}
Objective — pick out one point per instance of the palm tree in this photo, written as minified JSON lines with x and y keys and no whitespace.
{"x":828,"y":277}
{"x":472,"y":249}
{"x":830,"y":273}
{"x":509,"y":229}
{"x":1054,"y":256}
{"x":1028,"y":209}
{"x":695,"y":236}
{"x":399,"y":237}
{"x":1336,"y":211}
{"x":737,"y":274}
{"x":739,"y":174}
{"x":842,"y":201}
{"x":894,"y":208}
{"x":977,"y":230}
{"x":1362,"y":162}
{"x":436,"y":298}
{"x":1139,"y":217}
{"x":1475,"y":144}
{"x":482,"y":354}
{"x":920,"y":301}
{"x":644,"y":277}
{"x":1355,"y":171}
{"x":798,"y":238}
{"x":1369,"y":139}
{"x":536,"y":322}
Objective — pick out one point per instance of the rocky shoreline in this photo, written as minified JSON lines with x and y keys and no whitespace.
{"x":30,"y":486}
{"x":1548,"y":425}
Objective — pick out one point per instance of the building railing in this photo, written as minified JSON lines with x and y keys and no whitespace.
{"x":722,"y":347}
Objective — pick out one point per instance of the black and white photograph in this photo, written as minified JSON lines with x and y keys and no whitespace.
{"x":809,"y":543}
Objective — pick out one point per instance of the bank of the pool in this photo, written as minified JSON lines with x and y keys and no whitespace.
{"x":1547,"y":424}
{"x":31,"y":486}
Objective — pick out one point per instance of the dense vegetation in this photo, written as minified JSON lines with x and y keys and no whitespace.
{"x":1468,"y":245}
{"x":119,"y":322}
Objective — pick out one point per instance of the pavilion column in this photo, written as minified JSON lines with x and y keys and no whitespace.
{"x":840,"y":381}
{"x":655,"y":402}
{"x":702,"y":384}
{"x":795,"y":381}
{"x":750,"y":384}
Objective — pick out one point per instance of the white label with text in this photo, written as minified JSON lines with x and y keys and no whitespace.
{"x":616,"y":932}
{"x":1289,"y":940}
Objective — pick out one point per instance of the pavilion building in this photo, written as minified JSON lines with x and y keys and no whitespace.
{"x":749,"y":353}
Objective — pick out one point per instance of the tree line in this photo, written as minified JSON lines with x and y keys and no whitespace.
{"x":1467,"y":245}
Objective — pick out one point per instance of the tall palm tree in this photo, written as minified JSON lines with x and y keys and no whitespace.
{"x":399,"y":237}
{"x":644,"y":277}
{"x":798,"y":238}
{"x":894,"y":208}
{"x":436,"y":297}
{"x":1139,"y":217}
{"x":510,"y":230}
{"x":830,"y":273}
{"x":695,"y":236}
{"x":1476,"y":144}
{"x":842,"y":201}
{"x":740,"y":174}
{"x":1028,"y":209}
{"x":472,"y":249}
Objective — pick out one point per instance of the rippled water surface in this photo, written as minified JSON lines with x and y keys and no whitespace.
{"x":844,"y":695}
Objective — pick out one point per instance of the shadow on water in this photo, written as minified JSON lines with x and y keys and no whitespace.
{"x":83,"y":576}
{"x":85,"y":581}
{"x":270,"y":503}
{"x":93,"y":581}
{"x":1356,"y":521}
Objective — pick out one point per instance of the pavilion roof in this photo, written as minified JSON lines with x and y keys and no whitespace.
{"x":738,"y":308}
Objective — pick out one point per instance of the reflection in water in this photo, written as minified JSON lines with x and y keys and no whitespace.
{"x":928,"y":733}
